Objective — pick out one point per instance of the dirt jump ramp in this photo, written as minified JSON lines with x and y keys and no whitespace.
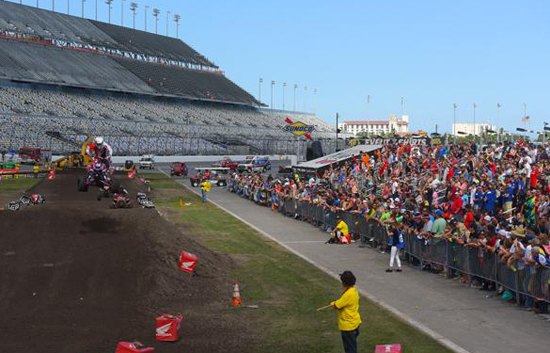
{"x":78,"y":277}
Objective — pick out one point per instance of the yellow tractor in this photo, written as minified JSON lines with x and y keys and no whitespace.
{"x":76,"y":159}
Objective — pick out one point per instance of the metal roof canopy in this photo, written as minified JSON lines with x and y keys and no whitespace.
{"x":335,"y":158}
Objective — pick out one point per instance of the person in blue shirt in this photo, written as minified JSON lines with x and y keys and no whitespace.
{"x":478,"y":198}
{"x":490,"y":201}
{"x":396,"y":244}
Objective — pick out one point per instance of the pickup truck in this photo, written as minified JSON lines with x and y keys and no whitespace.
{"x":147,"y":162}
{"x":226,"y":162}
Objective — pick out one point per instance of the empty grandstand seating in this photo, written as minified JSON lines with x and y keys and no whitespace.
{"x":32,"y":62}
{"x":152,"y":44}
{"x":188,"y":83}
{"x":60,"y":119}
{"x":107,"y":39}
{"x":48,"y":24}
{"x":53,"y":94}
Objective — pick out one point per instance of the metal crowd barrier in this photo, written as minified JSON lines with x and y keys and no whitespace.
{"x":456,"y":258}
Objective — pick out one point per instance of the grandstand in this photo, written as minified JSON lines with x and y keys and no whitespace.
{"x":63,"y":78}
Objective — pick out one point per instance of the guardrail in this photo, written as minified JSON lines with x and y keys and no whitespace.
{"x":525,"y":282}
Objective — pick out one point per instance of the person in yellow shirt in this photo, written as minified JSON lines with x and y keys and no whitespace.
{"x":340,"y":234}
{"x":349,"y":319}
{"x":205,"y":187}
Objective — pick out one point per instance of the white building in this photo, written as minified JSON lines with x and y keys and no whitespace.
{"x":394,"y":124}
{"x":463,"y":129}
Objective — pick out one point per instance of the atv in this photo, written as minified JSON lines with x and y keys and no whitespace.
{"x":144,"y":201}
{"x":97,"y":175}
{"x":121,"y":199}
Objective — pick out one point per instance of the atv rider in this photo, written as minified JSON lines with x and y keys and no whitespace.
{"x":102,"y":151}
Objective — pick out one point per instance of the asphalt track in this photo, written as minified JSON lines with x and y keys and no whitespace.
{"x":465,"y":319}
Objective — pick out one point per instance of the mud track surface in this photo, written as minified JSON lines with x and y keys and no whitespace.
{"x":77,"y":277}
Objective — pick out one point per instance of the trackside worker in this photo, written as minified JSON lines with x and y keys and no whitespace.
{"x":342,"y":231}
{"x":205,"y":187}
{"x":349,"y":319}
{"x":36,"y":170}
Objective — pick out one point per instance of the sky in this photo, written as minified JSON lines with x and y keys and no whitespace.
{"x":433,"y":53}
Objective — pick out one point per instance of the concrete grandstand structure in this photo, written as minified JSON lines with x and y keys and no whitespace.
{"x":63,"y":78}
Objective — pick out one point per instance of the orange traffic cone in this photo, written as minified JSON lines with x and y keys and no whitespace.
{"x":181,"y":202}
{"x":236,"y":302}
{"x":272,"y":207}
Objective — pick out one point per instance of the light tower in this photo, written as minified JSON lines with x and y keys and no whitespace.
{"x":177,"y":19}
{"x":156,"y":13}
{"x":109,"y":7}
{"x":133,"y":8}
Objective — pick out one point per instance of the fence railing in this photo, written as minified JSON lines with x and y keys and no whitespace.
{"x":473,"y":263}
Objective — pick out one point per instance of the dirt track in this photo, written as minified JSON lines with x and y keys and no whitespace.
{"x":77,"y":277}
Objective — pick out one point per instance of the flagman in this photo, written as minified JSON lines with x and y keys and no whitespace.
{"x":349,"y":319}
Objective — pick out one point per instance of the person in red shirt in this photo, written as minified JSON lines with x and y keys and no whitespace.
{"x":469,"y":217}
{"x":534,"y":177}
{"x":457,"y":203}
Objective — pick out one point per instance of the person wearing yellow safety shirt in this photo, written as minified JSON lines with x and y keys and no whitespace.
{"x":340,"y":234}
{"x":349,"y":319}
{"x":205,"y":188}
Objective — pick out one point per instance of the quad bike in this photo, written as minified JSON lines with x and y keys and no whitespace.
{"x":97,"y":175}
{"x":121,"y":199}
{"x":144,"y":201}
{"x":23,"y":201}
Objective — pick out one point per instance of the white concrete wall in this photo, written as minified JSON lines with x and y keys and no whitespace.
{"x":169,"y":159}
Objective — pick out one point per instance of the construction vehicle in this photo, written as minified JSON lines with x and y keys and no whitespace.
{"x":76,"y":159}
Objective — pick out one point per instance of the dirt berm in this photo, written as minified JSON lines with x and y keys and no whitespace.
{"x":77,"y":277}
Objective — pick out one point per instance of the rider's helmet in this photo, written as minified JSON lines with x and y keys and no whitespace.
{"x":98,"y":141}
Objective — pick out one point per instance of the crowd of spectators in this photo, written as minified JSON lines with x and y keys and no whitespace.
{"x":493,"y":199}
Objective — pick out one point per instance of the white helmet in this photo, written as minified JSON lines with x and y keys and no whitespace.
{"x":98,"y":140}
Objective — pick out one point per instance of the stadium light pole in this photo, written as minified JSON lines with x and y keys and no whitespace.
{"x":260,"y":81}
{"x":177,"y":19}
{"x":133,"y":8}
{"x":156,"y":13}
{"x":145,"y":12}
{"x":454,"y":123}
{"x":96,"y":10}
{"x":37,"y":5}
{"x":294,"y":101}
{"x":68,"y":7}
{"x":314,"y":100}
{"x":272,"y":84}
{"x":337,"y":116}
{"x":475,"y":132}
{"x":122,"y":12}
{"x":284,"y":87}
{"x":83,"y":1}
{"x":109,"y":7}
{"x":305,"y":99}
{"x":168,"y":13}
{"x":53,"y":5}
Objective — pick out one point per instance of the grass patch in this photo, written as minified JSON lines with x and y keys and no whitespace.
{"x":19,"y":184}
{"x":287,"y":288}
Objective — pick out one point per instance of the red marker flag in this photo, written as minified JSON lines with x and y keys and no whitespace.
{"x":187,"y":262}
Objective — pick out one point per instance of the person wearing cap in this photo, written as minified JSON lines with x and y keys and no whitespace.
{"x":396,"y":244}
{"x":349,"y":318}
{"x":439,"y":224}
{"x":340,"y":233}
